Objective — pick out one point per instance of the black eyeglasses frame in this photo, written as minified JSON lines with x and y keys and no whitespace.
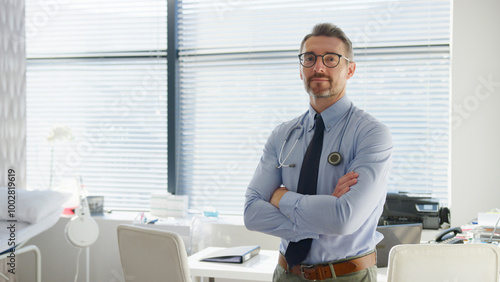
{"x":322,"y":59}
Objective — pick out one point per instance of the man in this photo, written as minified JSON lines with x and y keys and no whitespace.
{"x":328,"y":233}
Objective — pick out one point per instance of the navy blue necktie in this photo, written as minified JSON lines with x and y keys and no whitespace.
{"x":308,"y":182}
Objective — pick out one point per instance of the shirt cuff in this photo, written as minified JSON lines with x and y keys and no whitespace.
{"x":288,"y":207}
{"x":288,"y":203}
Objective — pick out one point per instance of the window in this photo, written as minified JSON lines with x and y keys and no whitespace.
{"x":98,"y":69}
{"x":239,"y":78}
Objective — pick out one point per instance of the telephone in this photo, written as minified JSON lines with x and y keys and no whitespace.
{"x":448,"y":236}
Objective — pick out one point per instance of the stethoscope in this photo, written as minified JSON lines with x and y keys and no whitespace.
{"x":334,"y":158}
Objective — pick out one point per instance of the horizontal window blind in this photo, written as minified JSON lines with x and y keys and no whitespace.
{"x":239,"y":78}
{"x":97,"y":70}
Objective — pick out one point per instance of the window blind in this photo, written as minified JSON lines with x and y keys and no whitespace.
{"x":239,"y":78}
{"x":97,"y":69}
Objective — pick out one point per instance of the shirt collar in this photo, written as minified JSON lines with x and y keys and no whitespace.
{"x":331,"y":115}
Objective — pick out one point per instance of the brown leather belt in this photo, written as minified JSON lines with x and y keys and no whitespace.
{"x":324,"y":271}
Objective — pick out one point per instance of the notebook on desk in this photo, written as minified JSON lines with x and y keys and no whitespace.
{"x":395,"y":235}
{"x":233,"y":255}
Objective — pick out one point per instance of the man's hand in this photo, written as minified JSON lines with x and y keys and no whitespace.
{"x":345,"y":183}
{"x":276,"y":197}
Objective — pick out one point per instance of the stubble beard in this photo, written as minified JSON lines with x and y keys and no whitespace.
{"x":320,"y":92}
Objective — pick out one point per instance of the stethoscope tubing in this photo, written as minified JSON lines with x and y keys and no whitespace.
{"x":299,"y":125}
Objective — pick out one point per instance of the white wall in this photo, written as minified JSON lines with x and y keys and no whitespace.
{"x":475,"y":89}
{"x":12,"y":92}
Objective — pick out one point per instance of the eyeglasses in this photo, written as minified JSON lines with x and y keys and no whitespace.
{"x":330,"y":60}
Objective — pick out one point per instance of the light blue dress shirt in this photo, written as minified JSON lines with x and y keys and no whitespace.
{"x":341,"y":227}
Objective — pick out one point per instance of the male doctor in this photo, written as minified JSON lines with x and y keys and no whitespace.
{"x":321,"y":182}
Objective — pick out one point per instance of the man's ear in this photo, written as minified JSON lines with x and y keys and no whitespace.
{"x":351,"y":69}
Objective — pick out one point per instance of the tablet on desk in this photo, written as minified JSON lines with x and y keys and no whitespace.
{"x":238,"y":254}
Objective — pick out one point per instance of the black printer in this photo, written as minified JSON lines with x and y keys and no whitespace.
{"x":402,"y":208}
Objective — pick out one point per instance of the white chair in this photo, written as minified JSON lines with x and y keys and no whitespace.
{"x":444,"y":262}
{"x":152,"y":255}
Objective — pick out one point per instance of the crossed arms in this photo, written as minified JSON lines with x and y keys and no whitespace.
{"x":277,"y":211}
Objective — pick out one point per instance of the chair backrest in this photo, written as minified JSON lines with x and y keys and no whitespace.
{"x":444,"y":262}
{"x":154,"y":255}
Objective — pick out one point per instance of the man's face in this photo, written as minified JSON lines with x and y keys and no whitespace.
{"x":321,"y":81}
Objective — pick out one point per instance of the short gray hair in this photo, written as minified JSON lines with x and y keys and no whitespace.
{"x":330,"y":30}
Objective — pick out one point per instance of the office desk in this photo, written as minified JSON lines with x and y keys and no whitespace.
{"x":258,"y":268}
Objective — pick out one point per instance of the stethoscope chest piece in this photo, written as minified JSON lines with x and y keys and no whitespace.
{"x":334,"y":158}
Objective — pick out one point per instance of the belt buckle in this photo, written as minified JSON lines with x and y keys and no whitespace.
{"x":306,"y":266}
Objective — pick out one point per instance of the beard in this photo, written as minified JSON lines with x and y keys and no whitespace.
{"x":320,"y":91}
